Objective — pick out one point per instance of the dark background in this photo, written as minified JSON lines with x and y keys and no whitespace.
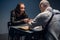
{"x":32,"y":9}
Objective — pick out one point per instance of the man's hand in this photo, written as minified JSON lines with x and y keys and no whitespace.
{"x":26,"y":20}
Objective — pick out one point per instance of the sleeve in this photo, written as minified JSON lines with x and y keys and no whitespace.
{"x":12,"y":16}
{"x":39,"y":20}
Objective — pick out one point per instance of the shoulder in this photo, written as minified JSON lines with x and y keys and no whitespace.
{"x":13,"y":12}
{"x":44,"y":14}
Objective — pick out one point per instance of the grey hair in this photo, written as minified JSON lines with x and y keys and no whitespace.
{"x":45,"y":2}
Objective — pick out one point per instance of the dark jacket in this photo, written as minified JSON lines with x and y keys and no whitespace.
{"x":17,"y":19}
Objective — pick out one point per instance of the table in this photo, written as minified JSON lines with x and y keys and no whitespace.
{"x":17,"y":31}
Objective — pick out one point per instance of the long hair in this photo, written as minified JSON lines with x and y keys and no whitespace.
{"x":17,"y":9}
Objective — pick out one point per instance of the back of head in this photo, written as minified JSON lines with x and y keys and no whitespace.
{"x":45,"y":3}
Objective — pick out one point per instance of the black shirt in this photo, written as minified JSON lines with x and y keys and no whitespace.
{"x":15,"y":17}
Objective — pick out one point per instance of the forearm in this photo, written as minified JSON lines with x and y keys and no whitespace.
{"x":19,"y":21}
